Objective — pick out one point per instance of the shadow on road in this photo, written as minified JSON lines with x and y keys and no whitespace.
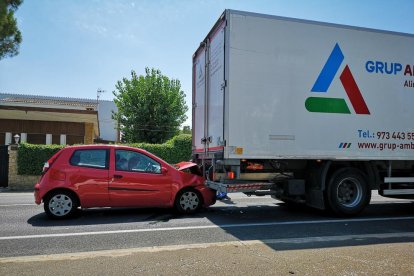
{"x":280,"y":226}
{"x":220,"y":215}
{"x":98,"y":216}
{"x":296,"y":227}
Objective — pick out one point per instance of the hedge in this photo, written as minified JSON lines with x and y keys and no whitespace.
{"x":175,"y":150}
{"x":31,"y":158}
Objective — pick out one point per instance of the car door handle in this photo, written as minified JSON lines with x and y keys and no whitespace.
{"x":117,"y":176}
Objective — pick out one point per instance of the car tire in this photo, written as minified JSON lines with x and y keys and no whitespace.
{"x":348,"y":192}
{"x":60,"y":204}
{"x":188,"y":201}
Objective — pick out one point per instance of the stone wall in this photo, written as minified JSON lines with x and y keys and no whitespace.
{"x":19,"y":182}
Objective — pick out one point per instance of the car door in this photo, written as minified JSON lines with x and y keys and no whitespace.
{"x":88,"y":174}
{"x":137,"y":180}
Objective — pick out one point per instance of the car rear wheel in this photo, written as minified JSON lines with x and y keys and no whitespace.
{"x":188,"y":201}
{"x":60,"y":204}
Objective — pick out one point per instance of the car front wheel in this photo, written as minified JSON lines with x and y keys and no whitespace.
{"x":60,"y":204}
{"x":188,"y":201}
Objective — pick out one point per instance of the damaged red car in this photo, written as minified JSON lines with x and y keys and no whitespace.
{"x":117,"y":176}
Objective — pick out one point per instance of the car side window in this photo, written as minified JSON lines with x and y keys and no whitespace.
{"x":91,"y":158}
{"x":132,"y":161}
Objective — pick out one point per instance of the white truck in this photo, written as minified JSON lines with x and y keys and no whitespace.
{"x":304,"y":111}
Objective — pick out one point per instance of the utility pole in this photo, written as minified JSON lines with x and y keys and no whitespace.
{"x":98,"y":94}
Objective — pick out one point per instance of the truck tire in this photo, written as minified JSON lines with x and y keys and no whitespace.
{"x":188,"y":201}
{"x":348,"y":193}
{"x":60,"y":204}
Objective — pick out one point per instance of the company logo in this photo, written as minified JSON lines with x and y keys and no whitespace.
{"x":344,"y":145}
{"x":324,"y":80}
{"x":391,"y":68}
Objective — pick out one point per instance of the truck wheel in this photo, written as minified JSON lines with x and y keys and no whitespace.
{"x":348,"y":192}
{"x":60,"y":204}
{"x":188,"y":201}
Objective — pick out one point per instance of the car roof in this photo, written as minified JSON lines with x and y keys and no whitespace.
{"x":102,"y":146}
{"x":106,"y":146}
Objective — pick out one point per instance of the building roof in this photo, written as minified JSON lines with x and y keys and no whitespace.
{"x":56,"y":102}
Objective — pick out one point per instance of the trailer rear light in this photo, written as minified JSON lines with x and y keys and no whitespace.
{"x":254,"y":166}
{"x":230,"y":175}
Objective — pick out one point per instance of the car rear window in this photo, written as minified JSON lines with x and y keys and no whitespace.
{"x":91,"y":158}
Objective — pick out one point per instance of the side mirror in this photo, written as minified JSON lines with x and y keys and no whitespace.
{"x":164,"y":170}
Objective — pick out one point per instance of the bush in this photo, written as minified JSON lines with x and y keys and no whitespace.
{"x":175,"y":150}
{"x":31,"y":158}
{"x":182,"y":148}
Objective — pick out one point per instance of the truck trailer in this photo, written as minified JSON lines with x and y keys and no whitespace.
{"x":307,"y":112}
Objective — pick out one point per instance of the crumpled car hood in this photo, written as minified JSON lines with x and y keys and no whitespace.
{"x":184,"y":165}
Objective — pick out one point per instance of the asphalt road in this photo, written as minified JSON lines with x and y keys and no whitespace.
{"x":255,"y":229}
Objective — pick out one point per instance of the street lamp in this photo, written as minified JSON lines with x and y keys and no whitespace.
{"x":16,"y":138}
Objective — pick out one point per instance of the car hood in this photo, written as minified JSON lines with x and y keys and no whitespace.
{"x":184,"y":165}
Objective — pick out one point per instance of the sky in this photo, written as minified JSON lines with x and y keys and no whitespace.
{"x":73,"y":48}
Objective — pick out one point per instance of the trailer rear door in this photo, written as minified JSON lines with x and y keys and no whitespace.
{"x":208,"y":107}
{"x":199,"y":87}
{"x":215,"y":108}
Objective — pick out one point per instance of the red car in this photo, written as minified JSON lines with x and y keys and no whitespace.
{"x":116,"y":176}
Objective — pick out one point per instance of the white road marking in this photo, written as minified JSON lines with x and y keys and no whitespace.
{"x":201,"y":227}
{"x":8,"y":194}
{"x":20,"y":204}
{"x":152,"y":249}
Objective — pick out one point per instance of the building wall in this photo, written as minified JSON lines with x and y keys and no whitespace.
{"x":19,"y":182}
{"x":62,"y":109}
{"x":107,"y":126}
{"x":36,"y":131}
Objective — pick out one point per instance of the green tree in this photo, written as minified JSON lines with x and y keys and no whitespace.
{"x":186,"y":130}
{"x":151,"y":108}
{"x":10,"y":36}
